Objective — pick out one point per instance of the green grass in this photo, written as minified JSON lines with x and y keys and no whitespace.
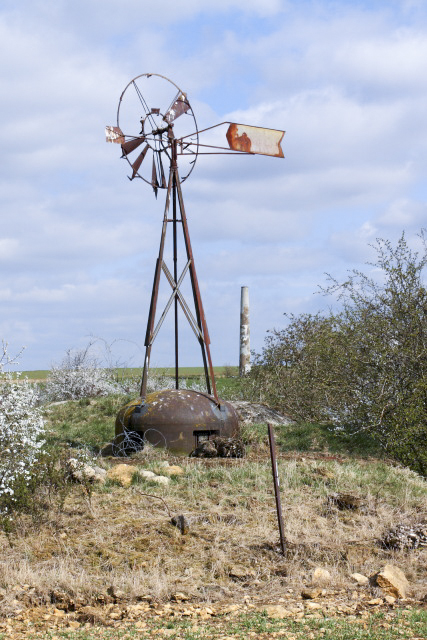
{"x":129,"y":372}
{"x":305,"y":437}
{"x":377,"y":626}
{"x":84,"y":423}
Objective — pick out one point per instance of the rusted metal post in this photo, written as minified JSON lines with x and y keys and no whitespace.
{"x":175,"y":261}
{"x":245,"y":342}
{"x":276,"y":486}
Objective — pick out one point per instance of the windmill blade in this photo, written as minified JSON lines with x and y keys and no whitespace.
{"x":114,"y":134}
{"x":135,"y":166}
{"x":177,"y":108}
{"x":266,"y":142}
{"x":154,"y":181}
{"x":131,"y":145}
{"x":162,"y":173}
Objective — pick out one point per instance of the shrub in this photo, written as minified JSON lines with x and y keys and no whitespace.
{"x":80,"y":375}
{"x":21,"y":439}
{"x":363,"y":368}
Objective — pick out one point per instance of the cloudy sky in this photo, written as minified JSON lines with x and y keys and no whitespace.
{"x":347,"y":81}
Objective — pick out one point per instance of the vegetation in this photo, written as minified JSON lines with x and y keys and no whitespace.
{"x":395,"y":626}
{"x":362,"y":369}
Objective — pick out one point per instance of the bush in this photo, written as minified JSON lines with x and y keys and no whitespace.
{"x":80,"y":375}
{"x":364,"y":368}
{"x":21,"y":440}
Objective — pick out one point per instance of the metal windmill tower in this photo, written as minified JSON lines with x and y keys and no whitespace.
{"x":162,"y":147}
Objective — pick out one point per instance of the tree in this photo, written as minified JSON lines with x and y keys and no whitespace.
{"x":363,"y":367}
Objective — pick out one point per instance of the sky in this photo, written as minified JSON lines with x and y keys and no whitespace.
{"x":347,"y":82}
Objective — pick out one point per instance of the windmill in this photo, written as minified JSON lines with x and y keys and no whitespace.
{"x":157,"y":131}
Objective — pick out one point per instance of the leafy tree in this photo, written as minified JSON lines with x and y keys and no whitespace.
{"x":364,"y":367}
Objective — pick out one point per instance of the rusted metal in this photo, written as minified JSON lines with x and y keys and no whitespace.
{"x":131,"y":145}
{"x":266,"y":142}
{"x":178,"y":419}
{"x":154,"y":181}
{"x":245,"y":344}
{"x":162,"y":145}
{"x":178,"y":107}
{"x":114,"y":134}
{"x":135,"y":165}
{"x":276,"y":483}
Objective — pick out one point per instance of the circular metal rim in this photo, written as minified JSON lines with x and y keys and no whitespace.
{"x":158,"y":75}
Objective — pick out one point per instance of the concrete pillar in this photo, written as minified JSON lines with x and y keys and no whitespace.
{"x":245,"y":342}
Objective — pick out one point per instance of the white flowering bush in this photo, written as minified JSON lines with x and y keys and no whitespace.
{"x":80,"y":376}
{"x":21,"y":437}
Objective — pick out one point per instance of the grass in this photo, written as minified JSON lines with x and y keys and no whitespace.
{"x":122,"y":540}
{"x":398,"y":625}
{"x":130,"y":372}
{"x":88,"y":422}
{"x":309,"y":438}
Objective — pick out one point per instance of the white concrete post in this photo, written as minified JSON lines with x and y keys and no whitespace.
{"x":245,"y":342}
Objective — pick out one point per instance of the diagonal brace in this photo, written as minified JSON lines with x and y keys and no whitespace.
{"x":169,"y":303}
{"x":184,"y":306}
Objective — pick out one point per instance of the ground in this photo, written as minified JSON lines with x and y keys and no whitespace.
{"x":109,"y":563}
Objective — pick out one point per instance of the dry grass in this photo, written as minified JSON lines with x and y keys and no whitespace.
{"x":125,"y":542}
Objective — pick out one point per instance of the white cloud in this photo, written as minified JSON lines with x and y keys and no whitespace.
{"x":78,"y":241}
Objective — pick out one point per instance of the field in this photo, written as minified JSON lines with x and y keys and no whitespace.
{"x":128,"y":372}
{"x":109,"y":563}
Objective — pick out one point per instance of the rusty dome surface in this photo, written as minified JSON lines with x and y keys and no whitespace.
{"x":178,"y":419}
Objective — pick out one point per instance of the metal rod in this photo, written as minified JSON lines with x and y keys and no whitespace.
{"x":169,"y":303}
{"x":154,"y":294}
{"x":175,"y":262}
{"x":201,"y":319}
{"x":276,"y":486}
{"x":184,"y":306}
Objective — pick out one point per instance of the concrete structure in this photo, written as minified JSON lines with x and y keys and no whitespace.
{"x":245,"y":341}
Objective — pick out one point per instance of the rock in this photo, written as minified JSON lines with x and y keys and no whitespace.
{"x":73,"y":624}
{"x":320,"y":576}
{"x":346,"y":501}
{"x":390,"y":599}
{"x":92,"y":615}
{"x":313,"y":605}
{"x":205,"y":450}
{"x":392,"y":581}
{"x":375,"y":601}
{"x":360,"y":579}
{"x":179,"y":597}
{"x":144,"y":473}
{"x":182,"y":523}
{"x":83,"y":472}
{"x":239,"y":572}
{"x":405,"y":537}
{"x":160,"y":480}
{"x":276,"y":611}
{"x":311,"y":594}
{"x":173,"y":470}
{"x":218,"y":447}
{"x":122,"y":473}
{"x":252,"y":413}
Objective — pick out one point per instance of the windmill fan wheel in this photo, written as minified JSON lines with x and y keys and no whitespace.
{"x":152,"y":112}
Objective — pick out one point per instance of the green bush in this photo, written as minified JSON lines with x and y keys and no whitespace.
{"x":362,"y":369}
